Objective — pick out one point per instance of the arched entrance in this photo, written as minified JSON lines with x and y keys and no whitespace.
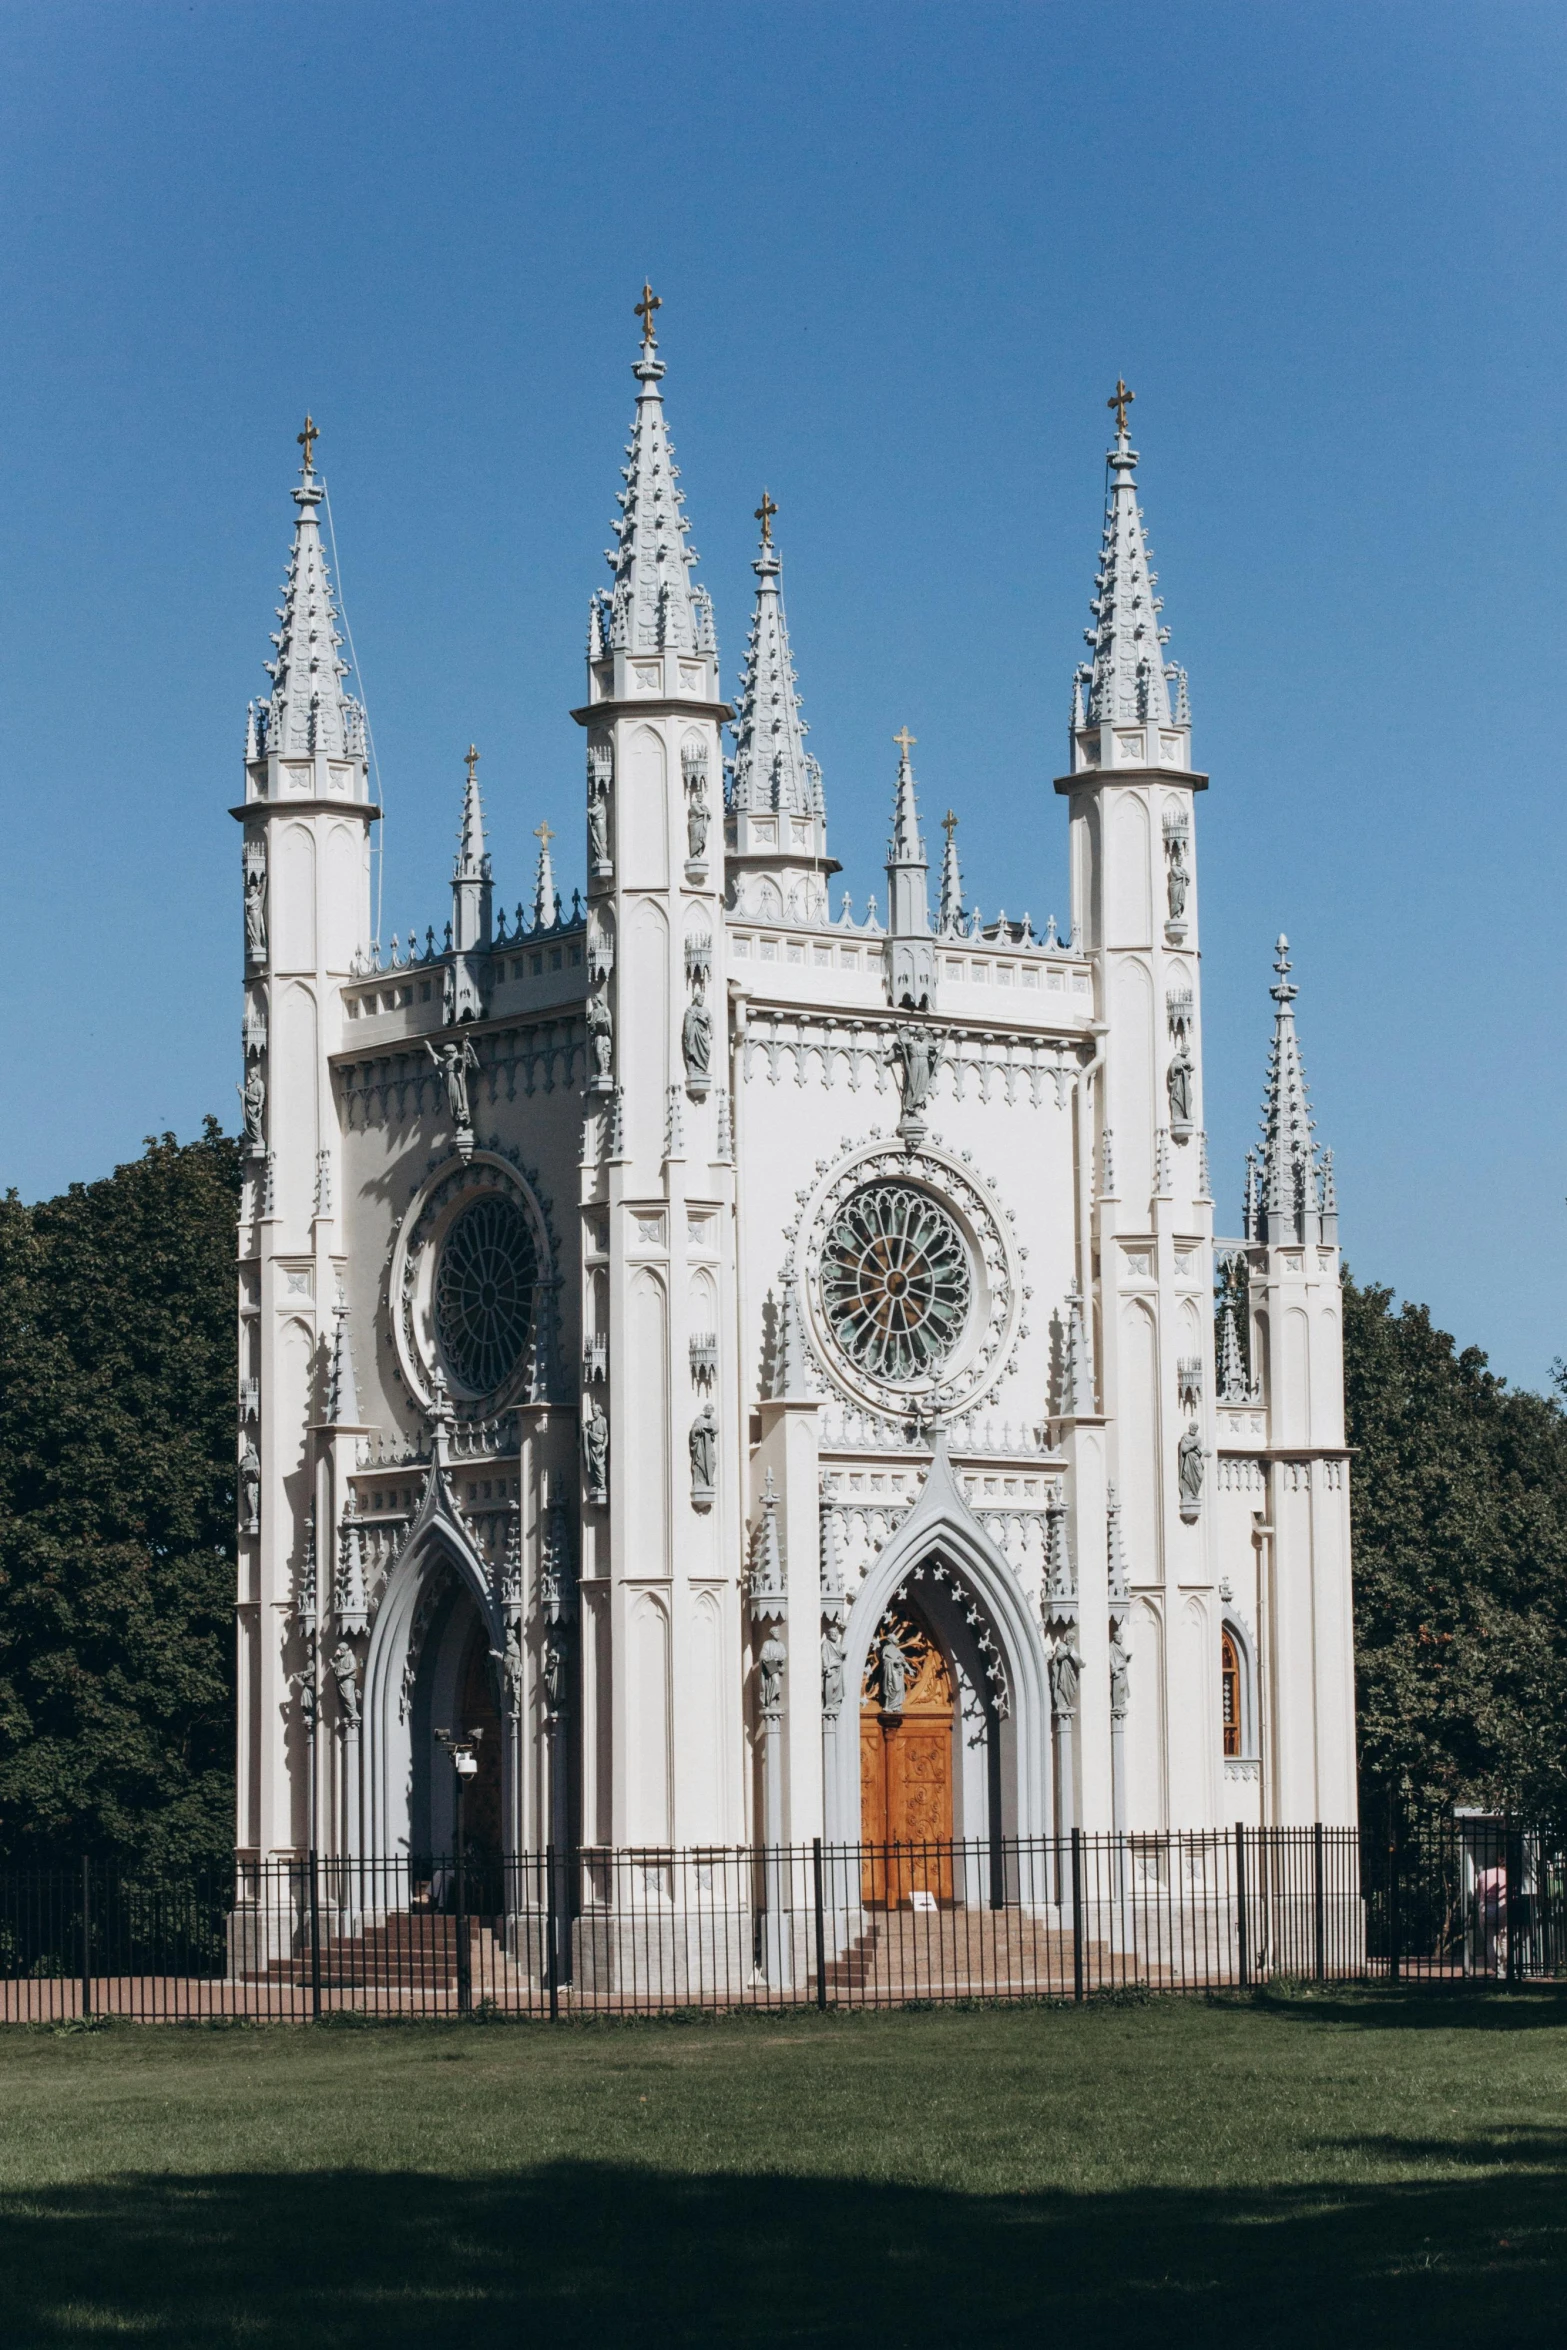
{"x":907,"y":1721}
{"x":454,"y":1689}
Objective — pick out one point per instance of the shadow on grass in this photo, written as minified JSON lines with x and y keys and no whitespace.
{"x":582,"y":2253}
{"x":1421,"y":2007}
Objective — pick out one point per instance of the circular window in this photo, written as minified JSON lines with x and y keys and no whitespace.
{"x":896,"y":1283}
{"x":484,"y":1293}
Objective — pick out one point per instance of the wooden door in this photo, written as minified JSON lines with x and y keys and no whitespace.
{"x":906,"y":1769}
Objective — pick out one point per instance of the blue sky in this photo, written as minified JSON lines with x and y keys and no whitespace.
{"x":904,"y":253}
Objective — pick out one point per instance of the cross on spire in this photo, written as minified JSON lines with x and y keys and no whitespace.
{"x":544,"y":832}
{"x":1120,"y":399}
{"x":905,"y":742}
{"x":645,"y":309}
{"x":764,"y":515}
{"x":307,"y":440}
{"x":949,"y":823}
{"x":470,"y":760}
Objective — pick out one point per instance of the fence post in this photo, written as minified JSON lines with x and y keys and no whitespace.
{"x":1240,"y":1906}
{"x":86,"y":1938}
{"x":551,"y":1935}
{"x":1077,"y":1913}
{"x":1394,"y":1920}
{"x":821,"y":1928}
{"x":1319,"y":1905}
{"x":315,"y":1940}
{"x":1511,"y":1857}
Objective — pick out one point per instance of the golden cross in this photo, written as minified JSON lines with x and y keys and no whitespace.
{"x":905,"y":741}
{"x":645,"y":309}
{"x":1118,"y":400}
{"x":949,"y":824}
{"x":471,"y":761}
{"x":764,"y":515}
{"x":542,"y":832}
{"x":308,"y":439}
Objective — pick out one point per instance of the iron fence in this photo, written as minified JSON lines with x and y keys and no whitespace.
{"x":588,"y":1930}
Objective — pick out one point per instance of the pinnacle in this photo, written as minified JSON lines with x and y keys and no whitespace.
{"x":1289,"y":1186}
{"x":1128,"y":681}
{"x":653,"y":604}
{"x":772,"y":768}
{"x":308,"y":709}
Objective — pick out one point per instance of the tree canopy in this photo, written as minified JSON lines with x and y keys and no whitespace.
{"x":117,"y":1388}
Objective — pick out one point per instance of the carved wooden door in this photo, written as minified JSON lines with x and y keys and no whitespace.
{"x":906,"y":1768}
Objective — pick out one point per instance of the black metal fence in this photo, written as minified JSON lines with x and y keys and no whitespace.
{"x":587,"y":1930}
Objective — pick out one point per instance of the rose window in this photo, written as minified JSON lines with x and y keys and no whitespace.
{"x":895,"y":1282}
{"x":484,"y":1293}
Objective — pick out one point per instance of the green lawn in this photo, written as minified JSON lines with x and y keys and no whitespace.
{"x":1353,"y":2169}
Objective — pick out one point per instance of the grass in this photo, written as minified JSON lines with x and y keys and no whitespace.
{"x":1363,"y":2169}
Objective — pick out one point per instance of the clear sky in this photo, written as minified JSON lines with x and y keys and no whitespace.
{"x":904,"y":253}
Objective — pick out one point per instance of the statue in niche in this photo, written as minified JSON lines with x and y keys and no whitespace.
{"x":894,"y":1676}
{"x":696,"y":1041}
{"x":598,"y":829}
{"x":1176,"y":879}
{"x":1066,"y":1671}
{"x":601,"y":1035}
{"x":697,"y":814}
{"x":554,"y":1676}
{"x":453,"y":1063}
{"x":253,"y":1095}
{"x":345,"y":1672}
{"x":1189,"y":1469}
{"x":1120,"y":1679}
{"x":250,"y":1485}
{"x":1178,"y":1080}
{"x":703,"y":1443}
{"x":770,"y":1662}
{"x":832,"y":1668}
{"x":915,"y":1053}
{"x":595,"y":1451}
{"x":256,"y":913}
{"x":509,"y":1659}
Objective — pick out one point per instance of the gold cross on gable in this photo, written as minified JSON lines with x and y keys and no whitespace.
{"x":1119,"y":400}
{"x":308,"y":439}
{"x":905,"y":741}
{"x":542,"y":832}
{"x":471,"y":761}
{"x":645,"y":309}
{"x":949,"y":824}
{"x":764,"y":515}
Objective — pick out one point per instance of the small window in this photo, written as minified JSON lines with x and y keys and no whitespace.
{"x":538,"y":965}
{"x":424,"y":991}
{"x":1230,"y":1676}
{"x":554,"y":958}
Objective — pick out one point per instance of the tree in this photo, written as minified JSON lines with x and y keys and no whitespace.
{"x":1459,"y":1506}
{"x":117,"y":1387}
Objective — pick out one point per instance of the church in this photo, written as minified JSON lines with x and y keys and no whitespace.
{"x":751,"y":1370}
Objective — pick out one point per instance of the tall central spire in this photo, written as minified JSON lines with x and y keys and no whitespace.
{"x":1127,"y":683}
{"x":308,"y":710}
{"x":654,"y":606}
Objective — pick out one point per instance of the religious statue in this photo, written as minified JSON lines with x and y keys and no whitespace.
{"x":595,"y":1450}
{"x":253,"y":1094}
{"x":770,"y":1662}
{"x":832,"y":1668}
{"x":1189,"y":1460}
{"x":696,"y":812}
{"x":703,"y":1442}
{"x":554,"y":1676}
{"x":511,"y":1671}
{"x":305,"y":1689}
{"x":345,"y":1672}
{"x":894,"y":1676}
{"x":453,"y":1062}
{"x":598,"y":827}
{"x":256,"y":913}
{"x":696,"y":1041}
{"x":1120,"y":1660}
{"x":250,"y":1485}
{"x":1176,"y":878}
{"x":601,"y":1036}
{"x":1178,"y":1079}
{"x":1066,"y":1668}
{"x":915,"y":1052}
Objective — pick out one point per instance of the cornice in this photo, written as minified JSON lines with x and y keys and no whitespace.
{"x":653,"y":706}
{"x":300,"y":807}
{"x":1089,"y":778}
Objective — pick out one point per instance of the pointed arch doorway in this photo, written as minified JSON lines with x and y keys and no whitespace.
{"x":907,"y":1728}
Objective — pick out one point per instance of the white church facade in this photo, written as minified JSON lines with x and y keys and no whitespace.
{"x":756,"y":1365}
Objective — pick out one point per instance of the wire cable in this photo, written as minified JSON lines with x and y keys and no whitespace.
{"x":364,"y":698}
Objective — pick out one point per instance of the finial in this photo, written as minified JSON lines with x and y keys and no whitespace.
{"x":645,"y":309}
{"x":1285,"y":991}
{"x":764,"y":515}
{"x":1120,"y":399}
{"x":307,"y":441}
{"x":470,"y":761}
{"x":949,"y":824}
{"x":544,"y":833}
{"x":905,"y":742}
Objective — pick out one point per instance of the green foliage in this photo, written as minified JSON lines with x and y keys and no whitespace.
{"x":1459,"y":1502}
{"x":117,"y":1383}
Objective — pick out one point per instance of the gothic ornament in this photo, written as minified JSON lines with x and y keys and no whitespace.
{"x":454,"y":1062}
{"x":703,"y":1446}
{"x":895,"y":1282}
{"x":696,"y":1043}
{"x":595,"y":1453}
{"x":601,"y":1042}
{"x":1189,"y":1471}
{"x":472,"y":1290}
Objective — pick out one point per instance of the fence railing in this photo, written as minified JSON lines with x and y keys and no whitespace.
{"x":587,"y":1929}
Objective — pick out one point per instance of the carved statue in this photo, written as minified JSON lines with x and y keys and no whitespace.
{"x":703,"y":1442}
{"x":601,"y":1032}
{"x":770,"y":1662}
{"x":595,"y":1450}
{"x":696,"y":1039}
{"x":598,"y":829}
{"x":916,"y":1053}
{"x":1066,"y":1669}
{"x":256,"y":913}
{"x":894,"y":1676}
{"x":1178,"y":1078}
{"x":832,"y":1668}
{"x":1120,"y":1684}
{"x":1177,"y":879}
{"x":345,"y":1672}
{"x":453,"y":1062}
{"x":554,"y":1672}
{"x":250,"y":1485}
{"x":1189,"y":1461}
{"x":696,"y":815}
{"x":511,"y":1671}
{"x":253,"y":1094}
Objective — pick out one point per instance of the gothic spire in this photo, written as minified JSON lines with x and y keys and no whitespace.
{"x":471,"y":869}
{"x":772,"y":768}
{"x":949,"y":918}
{"x":1290,"y":1204}
{"x":342,"y":1408}
{"x":1127,"y":683}
{"x":308,"y":710}
{"x":913,"y":960}
{"x":653,"y":606}
{"x":546,"y":902}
